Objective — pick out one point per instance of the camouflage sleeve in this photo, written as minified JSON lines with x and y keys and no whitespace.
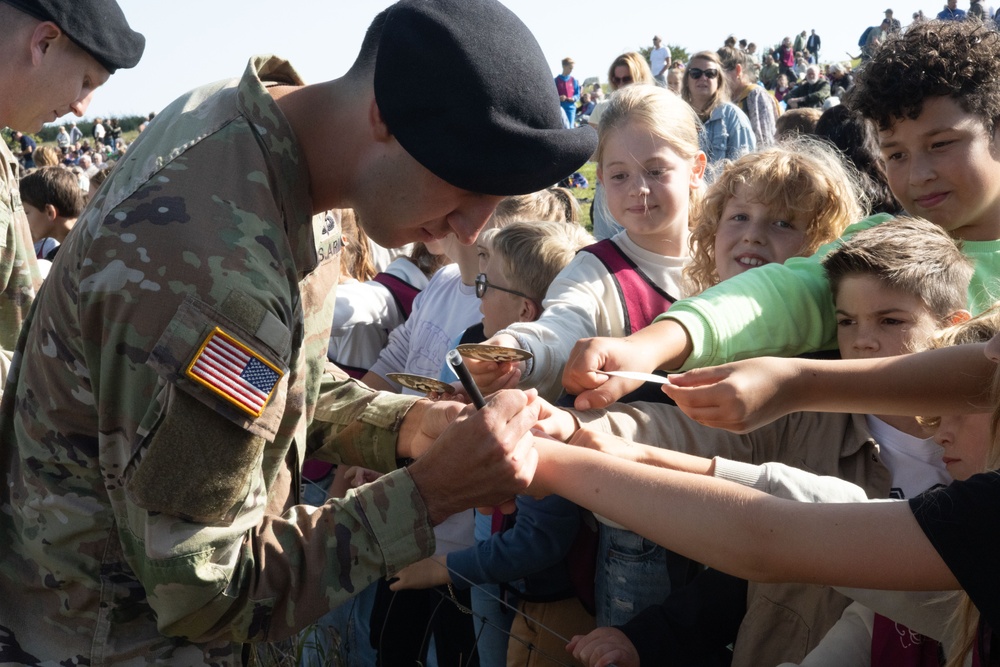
{"x":19,"y":276}
{"x":264,"y":577}
{"x":356,"y":425}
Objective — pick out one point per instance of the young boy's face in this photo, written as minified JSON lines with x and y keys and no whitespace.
{"x":499,"y":308}
{"x":944,"y":167}
{"x":874,"y":320}
{"x":39,"y":223}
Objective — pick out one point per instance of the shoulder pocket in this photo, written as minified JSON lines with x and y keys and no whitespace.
{"x":233,"y":362}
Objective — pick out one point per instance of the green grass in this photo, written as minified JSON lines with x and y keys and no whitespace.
{"x":585,"y":196}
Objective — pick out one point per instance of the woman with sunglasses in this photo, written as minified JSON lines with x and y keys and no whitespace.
{"x":625,"y":70}
{"x":726,"y":133}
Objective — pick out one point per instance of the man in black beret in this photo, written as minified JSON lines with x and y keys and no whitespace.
{"x":170,"y":379}
{"x":54,"y":54}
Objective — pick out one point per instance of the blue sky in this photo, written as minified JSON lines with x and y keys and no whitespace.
{"x":190,"y":43}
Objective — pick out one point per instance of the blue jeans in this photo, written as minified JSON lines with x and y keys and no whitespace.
{"x":631,"y":575}
{"x":492,"y":633}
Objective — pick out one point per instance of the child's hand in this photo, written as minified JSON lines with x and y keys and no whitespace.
{"x":602,"y":442}
{"x":738,"y":397}
{"x":603,"y":647}
{"x":555,"y":422}
{"x":425,"y":573}
{"x":491,"y":376}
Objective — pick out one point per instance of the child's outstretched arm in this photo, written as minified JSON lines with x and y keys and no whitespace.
{"x":748,"y":533}
{"x":745,"y":395}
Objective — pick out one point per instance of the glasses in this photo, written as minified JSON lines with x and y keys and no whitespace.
{"x":482,"y":284}
{"x":619,"y":80}
{"x":696,"y":73}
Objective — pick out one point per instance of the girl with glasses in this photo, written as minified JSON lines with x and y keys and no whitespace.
{"x":726,"y":133}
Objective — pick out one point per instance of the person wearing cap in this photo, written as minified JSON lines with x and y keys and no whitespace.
{"x":55,"y":53}
{"x":892,"y":25}
{"x":171,"y":377}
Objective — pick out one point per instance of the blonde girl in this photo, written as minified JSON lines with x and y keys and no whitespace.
{"x":781,"y":202}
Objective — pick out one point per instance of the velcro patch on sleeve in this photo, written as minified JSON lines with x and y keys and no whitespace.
{"x":234,"y":372}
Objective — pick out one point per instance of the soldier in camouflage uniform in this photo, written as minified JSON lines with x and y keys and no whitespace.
{"x":47,"y":72}
{"x":172,"y":375}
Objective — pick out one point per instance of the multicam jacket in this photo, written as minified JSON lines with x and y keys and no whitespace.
{"x":19,"y":277}
{"x":159,"y":409}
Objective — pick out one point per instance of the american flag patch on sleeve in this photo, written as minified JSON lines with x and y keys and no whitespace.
{"x":234,"y":372}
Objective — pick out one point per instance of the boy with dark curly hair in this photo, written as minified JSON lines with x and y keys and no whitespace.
{"x":934,"y":93}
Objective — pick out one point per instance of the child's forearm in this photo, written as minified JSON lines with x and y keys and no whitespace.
{"x":748,"y":533}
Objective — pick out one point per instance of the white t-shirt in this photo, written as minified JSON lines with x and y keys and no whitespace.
{"x":914,"y":463}
{"x":657,"y":59}
{"x":445,"y":308}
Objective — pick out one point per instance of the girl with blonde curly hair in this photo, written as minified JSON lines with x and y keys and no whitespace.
{"x":781,"y":202}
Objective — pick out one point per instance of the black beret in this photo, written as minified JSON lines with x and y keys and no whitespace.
{"x":98,"y":26}
{"x":465,"y":89}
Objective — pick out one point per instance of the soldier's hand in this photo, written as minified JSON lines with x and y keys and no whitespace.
{"x":483,"y":458}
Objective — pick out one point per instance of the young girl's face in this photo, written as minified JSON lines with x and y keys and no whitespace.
{"x":752,"y":234}
{"x":966,"y":443}
{"x":647,"y":186}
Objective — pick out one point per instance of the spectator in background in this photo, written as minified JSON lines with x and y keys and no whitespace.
{"x":75,"y":135}
{"x":27,"y":146}
{"x":569,"y":91}
{"x":892,"y":25}
{"x":785,"y":57}
{"x":52,"y":201}
{"x":812,"y":46}
{"x":46,"y":156}
{"x":794,"y":122}
{"x":800,"y":43}
{"x":659,"y":61}
{"x":840,"y":80}
{"x":596,"y":93}
{"x":726,"y":133}
{"x":769,"y":72}
{"x":675,"y":80}
{"x":781,"y":90}
{"x":583,"y":111}
{"x":62,"y":139}
{"x":811,"y":93}
{"x":801,"y":65}
{"x":759,"y":106}
{"x":98,"y":133}
{"x":976,"y":10}
{"x":754,"y":56}
{"x":951,"y":12}
{"x":86,"y":163}
{"x":918,"y":16}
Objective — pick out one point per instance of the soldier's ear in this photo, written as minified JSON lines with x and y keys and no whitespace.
{"x":380,"y":131}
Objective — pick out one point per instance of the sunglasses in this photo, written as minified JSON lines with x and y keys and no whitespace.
{"x":482,"y":284}
{"x":696,"y":73}
{"x":619,"y":80}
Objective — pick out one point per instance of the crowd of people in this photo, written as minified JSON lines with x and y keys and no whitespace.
{"x":211,"y":451}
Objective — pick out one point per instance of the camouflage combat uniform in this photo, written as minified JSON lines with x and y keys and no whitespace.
{"x":19,"y":277}
{"x":147,"y":514}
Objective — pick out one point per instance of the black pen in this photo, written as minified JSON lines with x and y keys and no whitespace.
{"x":458,"y":365}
